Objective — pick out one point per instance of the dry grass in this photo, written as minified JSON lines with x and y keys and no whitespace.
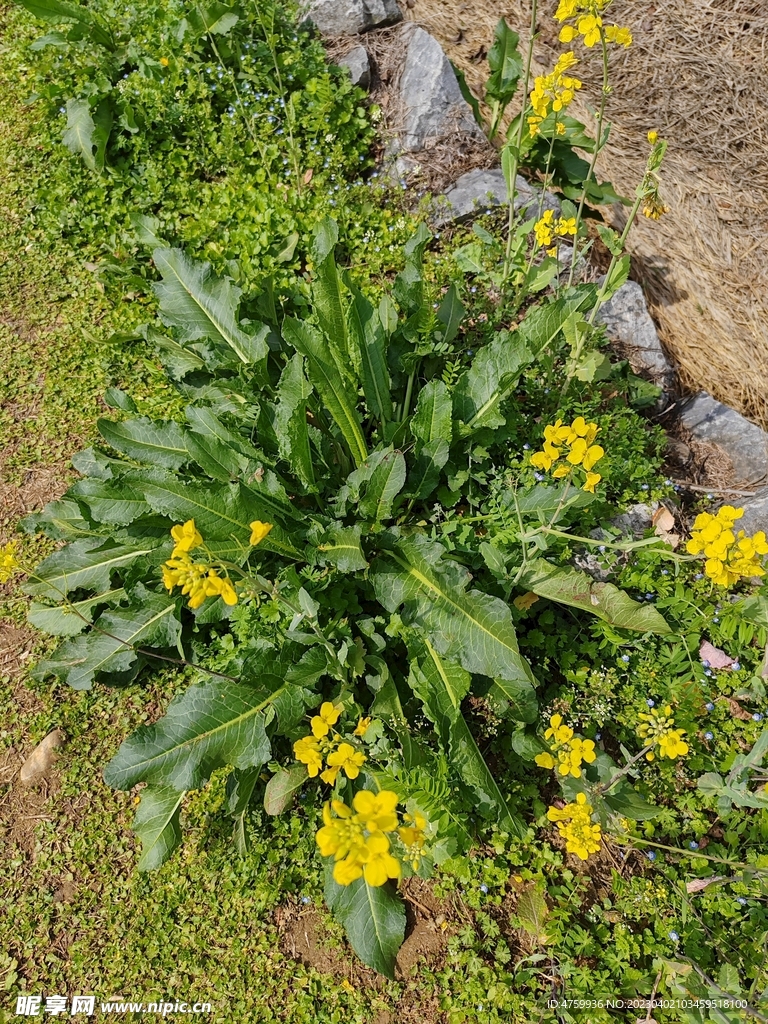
{"x":697,"y":73}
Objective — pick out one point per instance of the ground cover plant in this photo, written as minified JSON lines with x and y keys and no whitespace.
{"x":362,"y":529}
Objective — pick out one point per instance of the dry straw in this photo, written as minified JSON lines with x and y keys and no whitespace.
{"x":697,"y":73}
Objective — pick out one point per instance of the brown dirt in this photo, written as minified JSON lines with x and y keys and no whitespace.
{"x":697,"y":73}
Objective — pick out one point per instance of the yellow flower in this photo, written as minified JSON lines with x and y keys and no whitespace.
{"x":376,"y":810}
{"x":653,"y":137}
{"x":187,"y":538}
{"x":729,"y":556}
{"x":592,"y":479}
{"x":571,"y":750}
{"x":307,"y":750}
{"x":222,"y":586}
{"x":362,"y":727}
{"x":657,"y":728}
{"x":322,"y":722}
{"x":545,"y":761}
{"x":164,"y":61}
{"x":574,"y":822}
{"x":618,"y":35}
{"x":574,"y":442}
{"x":413,"y":838}
{"x":543,"y":228}
{"x":259,"y":531}
{"x":8,"y":561}
{"x":566,"y":226}
{"x":348,"y":759}
{"x":378,"y":863}
{"x":357,"y":841}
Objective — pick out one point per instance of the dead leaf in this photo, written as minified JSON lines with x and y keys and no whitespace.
{"x":700,"y":884}
{"x":308,"y":175}
{"x":737,"y":710}
{"x":524,"y":601}
{"x":664,"y":521}
{"x":714,"y":657}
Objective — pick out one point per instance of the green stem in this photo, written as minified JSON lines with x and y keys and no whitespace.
{"x":598,"y":148}
{"x":623,"y":771}
{"x":519,"y":142}
{"x":614,"y":260}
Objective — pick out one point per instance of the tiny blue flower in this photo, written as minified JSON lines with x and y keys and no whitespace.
{"x":705,"y":663}
{"x":710,"y":497}
{"x":649,"y":597}
{"x":483,"y":888}
{"x":651,"y":855}
{"x":601,"y":549}
{"x":699,"y":576}
{"x":665,"y":572}
{"x":736,"y":666}
{"x":757,"y":717}
{"x":598,"y":736}
{"x":674,"y":936}
{"x":715,"y":618}
{"x":709,"y":706}
{"x":539,"y":476}
{"x":526,"y":447}
{"x":305,"y":899}
{"x":625,"y":658}
{"x":677,"y":487}
{"x":741,"y":901}
{"x":693,"y":845}
{"x":707,"y":671}
{"x":709,"y":735}
{"x":644,"y":487}
{"x":651,"y":703}
{"x":668,"y":483}
{"x":473,"y":289}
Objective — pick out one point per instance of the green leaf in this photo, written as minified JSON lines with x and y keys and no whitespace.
{"x":505,"y":63}
{"x":425,"y":471}
{"x":385,"y":484}
{"x":217,"y":458}
{"x":331,"y":300}
{"x":619,"y":275}
{"x":58,"y":11}
{"x":116,"y":503}
{"x":468,"y":95}
{"x":78,"y":136}
{"x":370,"y":336}
{"x":82,"y":565}
{"x":159,"y":444}
{"x":281,"y":788}
{"x":61,"y":520}
{"x":215,"y":19}
{"x":110,"y":646}
{"x":207,"y":727}
{"x":544,"y":500}
{"x":202,"y":305}
{"x":467,"y":626}
{"x":532,"y":912}
{"x":341,"y":547}
{"x":433,"y":419}
{"x":291,"y":421}
{"x":71,"y":618}
{"x":492,"y":376}
{"x":517,"y":699}
{"x":224,"y":511}
{"x":374,"y":920}
{"x":339,"y":399}
{"x":177,"y":360}
{"x":441,"y":686}
{"x":450,"y":313}
{"x":240,"y":786}
{"x":578,"y":590}
{"x":156,"y":823}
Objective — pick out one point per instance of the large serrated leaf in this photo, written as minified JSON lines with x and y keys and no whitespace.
{"x":217,"y":458}
{"x":291,"y":421}
{"x":207,"y":727}
{"x":110,"y":646}
{"x":60,"y":520}
{"x":156,"y":823}
{"x":368,"y":332}
{"x":492,"y":376}
{"x":282,"y":787}
{"x":450,"y":313}
{"x":425,"y":471}
{"x":59,"y":11}
{"x":341,"y":547}
{"x":385,"y":484}
{"x":441,"y":685}
{"x":578,"y":590}
{"x":160,"y":444}
{"x":545,"y":501}
{"x":506,"y":64}
{"x":330,"y":299}
{"x":373,"y":918}
{"x":433,"y":419}
{"x":202,"y":305}
{"x":82,"y":565}
{"x":467,"y":626}
{"x":71,"y":618}
{"x":116,"y":503}
{"x":338,"y":397}
{"x":79,"y":134}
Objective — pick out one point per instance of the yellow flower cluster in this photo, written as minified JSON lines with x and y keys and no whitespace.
{"x":8,"y":561}
{"x":325,"y":744}
{"x":200,"y":580}
{"x":658,"y":728}
{"x":356,"y":837}
{"x":570,"y":750}
{"x":547,"y":227}
{"x":574,"y":822}
{"x":553,"y":92}
{"x":730,"y":556}
{"x":575,"y":444}
{"x":588,"y":24}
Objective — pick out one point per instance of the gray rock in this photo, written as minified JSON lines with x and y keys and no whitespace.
{"x":629,"y":325}
{"x":42,"y":757}
{"x":636,"y":520}
{"x":433,"y":107}
{"x":350,"y":17}
{"x":479,"y":190}
{"x":745,"y":444}
{"x":755,"y":512}
{"x":359,"y":66}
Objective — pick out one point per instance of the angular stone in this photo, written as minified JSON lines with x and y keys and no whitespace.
{"x":42,"y":757}
{"x":430,"y":96}
{"x":755,"y":512}
{"x":745,"y":444}
{"x":629,"y":325}
{"x":351,"y":17}
{"x":479,"y":190}
{"x":359,"y":65}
